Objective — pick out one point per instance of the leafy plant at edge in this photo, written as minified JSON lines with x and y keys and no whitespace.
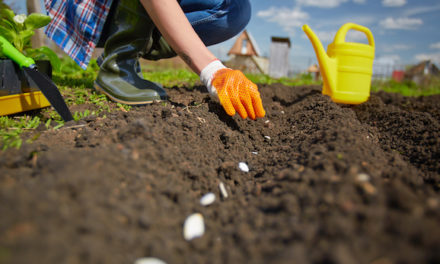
{"x":18,"y":30}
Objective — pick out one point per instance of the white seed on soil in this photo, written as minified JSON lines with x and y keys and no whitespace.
{"x":223,"y":191}
{"x":267,"y":121}
{"x":193,"y":227}
{"x":149,"y":261}
{"x":207,"y":199}
{"x":363,"y":177}
{"x":243,"y":167}
{"x":282,"y":112}
{"x":267,"y":137}
{"x":254,"y":152}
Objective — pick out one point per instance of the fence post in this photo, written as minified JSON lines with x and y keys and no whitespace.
{"x":34,"y":6}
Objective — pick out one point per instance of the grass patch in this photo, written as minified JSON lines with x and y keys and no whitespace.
{"x":76,"y":86}
{"x":11,"y":129}
{"x":172,"y":77}
{"x":407,"y":88}
{"x":301,"y":79}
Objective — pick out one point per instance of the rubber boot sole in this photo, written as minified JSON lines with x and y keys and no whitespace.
{"x":100,"y":90}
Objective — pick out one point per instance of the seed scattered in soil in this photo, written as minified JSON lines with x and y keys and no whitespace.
{"x":267,"y":123}
{"x":433,"y":203}
{"x":207,"y":199}
{"x":135,"y":154}
{"x":267,"y":137}
{"x":368,"y":188}
{"x":193,"y":227}
{"x":254,"y":152}
{"x":223,"y":190}
{"x":149,"y":261}
{"x":243,"y":167}
{"x":363,"y":177}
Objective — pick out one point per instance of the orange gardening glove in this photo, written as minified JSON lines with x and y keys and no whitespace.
{"x":234,"y":90}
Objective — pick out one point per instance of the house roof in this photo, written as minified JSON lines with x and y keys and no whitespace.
{"x":313,"y":68}
{"x":250,"y":49}
{"x":281,"y":39}
{"x":424,"y":68}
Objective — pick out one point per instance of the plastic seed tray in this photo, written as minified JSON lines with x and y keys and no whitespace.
{"x":16,"y":103}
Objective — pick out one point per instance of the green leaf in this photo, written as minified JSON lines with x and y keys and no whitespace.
{"x":26,"y":35}
{"x":8,"y":24}
{"x":8,"y":34}
{"x":7,"y":14}
{"x":47,"y":52}
{"x":1,"y":51}
{"x":36,"y":20}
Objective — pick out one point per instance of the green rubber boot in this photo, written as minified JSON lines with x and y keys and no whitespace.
{"x":158,"y":48}
{"x":130,"y":36}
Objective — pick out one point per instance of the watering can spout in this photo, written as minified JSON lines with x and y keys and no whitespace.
{"x":327,"y":65}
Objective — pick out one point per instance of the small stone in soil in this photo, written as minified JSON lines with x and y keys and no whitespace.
{"x":193,"y":227}
{"x":149,"y":261}
{"x":223,"y":190}
{"x":207,"y":199}
{"x":243,"y":167}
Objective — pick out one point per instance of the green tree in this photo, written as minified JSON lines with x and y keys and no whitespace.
{"x":3,"y":5}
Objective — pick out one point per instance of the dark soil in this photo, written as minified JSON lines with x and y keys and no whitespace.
{"x":328,"y":183}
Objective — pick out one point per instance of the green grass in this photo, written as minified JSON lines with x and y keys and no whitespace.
{"x":407,"y":88}
{"x":11,"y":129}
{"x":172,"y":77}
{"x":302,"y":79}
{"x":76,"y":85}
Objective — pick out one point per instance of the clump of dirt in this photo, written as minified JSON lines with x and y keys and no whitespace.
{"x":328,"y":183}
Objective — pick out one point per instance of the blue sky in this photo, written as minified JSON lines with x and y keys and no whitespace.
{"x":405,"y":31}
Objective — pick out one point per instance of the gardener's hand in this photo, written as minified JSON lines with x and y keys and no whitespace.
{"x":234,"y":90}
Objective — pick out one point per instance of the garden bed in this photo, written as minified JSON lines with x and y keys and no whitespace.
{"x":328,"y":183}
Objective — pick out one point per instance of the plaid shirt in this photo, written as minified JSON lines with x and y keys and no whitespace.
{"x":76,"y":26}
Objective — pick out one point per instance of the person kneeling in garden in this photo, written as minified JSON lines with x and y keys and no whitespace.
{"x":155,"y":29}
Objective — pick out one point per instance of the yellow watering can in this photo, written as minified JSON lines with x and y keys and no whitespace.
{"x":347,"y":67}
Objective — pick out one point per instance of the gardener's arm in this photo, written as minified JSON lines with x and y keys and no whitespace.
{"x":235,"y":91}
{"x":176,"y":29}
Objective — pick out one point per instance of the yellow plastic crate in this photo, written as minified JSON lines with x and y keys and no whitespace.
{"x":16,"y":103}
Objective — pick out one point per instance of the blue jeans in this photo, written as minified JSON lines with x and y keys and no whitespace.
{"x":216,"y":21}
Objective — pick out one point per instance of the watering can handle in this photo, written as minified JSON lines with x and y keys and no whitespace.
{"x":340,"y":36}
